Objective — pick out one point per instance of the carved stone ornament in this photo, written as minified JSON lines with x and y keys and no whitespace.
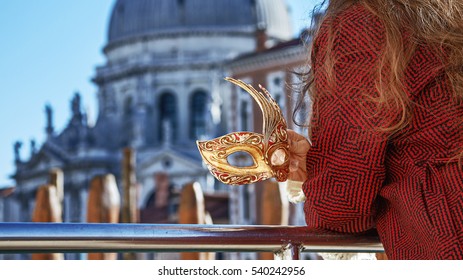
{"x":269,"y":151}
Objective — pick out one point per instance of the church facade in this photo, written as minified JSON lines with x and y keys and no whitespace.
{"x":160,"y":90}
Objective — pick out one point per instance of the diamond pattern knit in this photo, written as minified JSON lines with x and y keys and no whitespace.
{"x":408,"y":187}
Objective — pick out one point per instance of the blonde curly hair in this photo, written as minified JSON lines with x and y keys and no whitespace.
{"x":437,"y":23}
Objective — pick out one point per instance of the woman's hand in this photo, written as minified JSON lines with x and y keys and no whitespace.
{"x":298,"y":147}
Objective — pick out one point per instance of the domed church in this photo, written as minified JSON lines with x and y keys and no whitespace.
{"x":161,"y":89}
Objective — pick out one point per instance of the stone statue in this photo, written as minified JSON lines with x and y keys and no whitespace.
{"x":33,"y":147}
{"x":75,"y":104}
{"x":49,"y":115}
{"x":75,"y":108}
{"x":17,"y":149}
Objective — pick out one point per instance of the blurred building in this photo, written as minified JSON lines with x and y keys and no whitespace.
{"x":160,"y":90}
{"x":5,"y":203}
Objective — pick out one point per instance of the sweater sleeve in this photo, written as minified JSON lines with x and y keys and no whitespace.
{"x":345,"y":164}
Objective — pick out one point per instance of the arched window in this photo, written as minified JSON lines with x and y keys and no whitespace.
{"x":128,"y":107}
{"x":244,"y":115}
{"x":244,"y":110}
{"x":276,"y":85}
{"x":167,"y":116}
{"x":198,"y":113}
{"x":278,"y":99}
{"x":127,"y":121}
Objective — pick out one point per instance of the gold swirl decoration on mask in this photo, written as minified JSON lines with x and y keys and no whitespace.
{"x":269,"y":151}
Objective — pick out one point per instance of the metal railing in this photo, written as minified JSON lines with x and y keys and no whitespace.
{"x":285,"y":242}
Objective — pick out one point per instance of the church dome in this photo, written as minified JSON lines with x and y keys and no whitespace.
{"x":135,"y":18}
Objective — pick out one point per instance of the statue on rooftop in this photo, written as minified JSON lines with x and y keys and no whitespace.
{"x":17,"y":149}
{"x":49,"y":115}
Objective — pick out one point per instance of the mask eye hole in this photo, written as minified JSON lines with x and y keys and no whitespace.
{"x":240,"y":159}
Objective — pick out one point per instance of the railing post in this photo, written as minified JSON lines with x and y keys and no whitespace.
{"x":381,"y":257}
{"x":56,"y":179}
{"x":47,"y":209}
{"x":130,"y":212}
{"x":192,"y":210}
{"x":274,"y":210}
{"x":103,"y":206}
{"x":290,"y":252}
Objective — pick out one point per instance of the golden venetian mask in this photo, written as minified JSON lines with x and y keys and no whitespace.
{"x":269,"y":151}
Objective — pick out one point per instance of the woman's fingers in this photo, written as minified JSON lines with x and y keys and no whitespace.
{"x":293,"y":165}
{"x":298,"y":144}
{"x":298,"y":147}
{"x":293,"y":135}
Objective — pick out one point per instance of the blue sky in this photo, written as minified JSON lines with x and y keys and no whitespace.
{"x":48,"y":50}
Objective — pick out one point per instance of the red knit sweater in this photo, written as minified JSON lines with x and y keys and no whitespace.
{"x":407,"y":187}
